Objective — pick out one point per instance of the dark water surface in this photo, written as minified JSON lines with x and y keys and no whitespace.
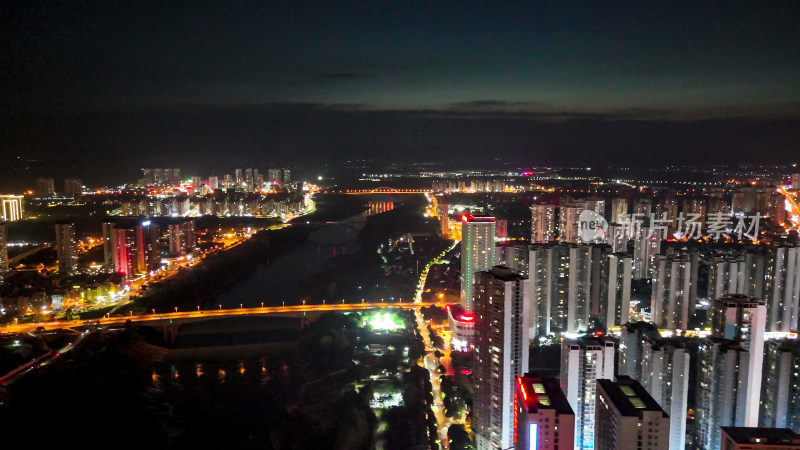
{"x":278,"y":281}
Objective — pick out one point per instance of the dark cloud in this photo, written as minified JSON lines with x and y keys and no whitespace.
{"x":211,"y":84}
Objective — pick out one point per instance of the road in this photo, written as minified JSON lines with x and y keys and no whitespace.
{"x":423,"y":277}
{"x":794,"y":214}
{"x":196,"y":314}
{"x":430,"y":361}
{"x":39,"y":362}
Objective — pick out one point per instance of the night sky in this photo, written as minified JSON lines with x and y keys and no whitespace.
{"x":211,"y":85}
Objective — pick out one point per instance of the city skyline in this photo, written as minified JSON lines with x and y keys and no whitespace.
{"x":425,"y":225}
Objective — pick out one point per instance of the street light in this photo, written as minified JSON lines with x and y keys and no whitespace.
{"x":262,"y":304}
{"x":154,"y":311}
{"x":220,"y":307}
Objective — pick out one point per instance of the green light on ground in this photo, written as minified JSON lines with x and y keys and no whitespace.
{"x":384,"y":321}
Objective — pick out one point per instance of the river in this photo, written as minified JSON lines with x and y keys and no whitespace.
{"x":279,"y":280}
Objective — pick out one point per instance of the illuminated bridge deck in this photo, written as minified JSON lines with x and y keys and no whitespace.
{"x":190,"y":316}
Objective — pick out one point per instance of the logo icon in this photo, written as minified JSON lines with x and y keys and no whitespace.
{"x":592,"y":227}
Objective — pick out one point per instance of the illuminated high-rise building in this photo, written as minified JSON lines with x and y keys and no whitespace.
{"x":584,"y":361}
{"x":752,"y":438}
{"x":477,"y":252}
{"x":213,"y":182}
{"x":617,"y":238}
{"x":674,"y":291}
{"x":615,"y":293}
{"x":569,"y":217}
{"x":182,"y":237}
{"x":780,"y":385}
{"x":646,"y":247}
{"x":568,"y":223}
{"x":287,"y":176}
{"x":239,"y":178}
{"x":632,"y":338}
{"x":726,"y":276}
{"x":73,"y":186}
{"x":573,"y":283}
{"x":718,"y":205}
{"x":543,"y":224}
{"x":45,"y":187}
{"x":12,"y":208}
{"x":108,"y":246}
{"x":755,"y":270}
{"x":722,"y":393}
{"x":148,"y":252}
{"x":695,"y":208}
{"x":248,"y":179}
{"x":125,"y":251}
{"x":665,"y":375}
{"x":643,"y":207}
{"x":66,"y":248}
{"x":148,"y":177}
{"x":667,"y":210}
{"x":627,"y":417}
{"x":197,"y":184}
{"x":512,"y":255}
{"x":740,"y":318}
{"x":730,"y":369}
{"x":161,"y":175}
{"x":227,"y":181}
{"x":619,"y":208}
{"x":173,"y":176}
{"x":776,"y":209}
{"x":502,"y":314}
{"x":795,"y":181}
{"x":3,"y":249}
{"x":543,"y":417}
{"x":136,"y":248}
{"x":782,"y":287}
{"x":274,"y":175}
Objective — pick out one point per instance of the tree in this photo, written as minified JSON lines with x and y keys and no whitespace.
{"x":459,"y":438}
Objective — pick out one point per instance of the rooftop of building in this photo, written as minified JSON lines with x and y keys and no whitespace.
{"x":739,"y":300}
{"x":786,"y":345}
{"x":770,"y":436}
{"x":641,"y":327}
{"x":522,"y":244}
{"x":723,"y":344}
{"x":674,"y":342}
{"x":470,"y":218}
{"x":459,"y":314}
{"x":591,"y":341}
{"x":630,"y":398}
{"x":542,"y":393}
{"x":504,"y":273}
